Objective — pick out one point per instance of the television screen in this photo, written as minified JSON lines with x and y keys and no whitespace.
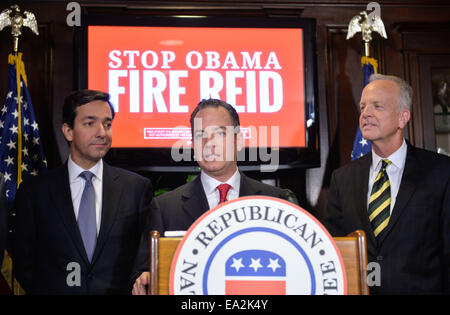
{"x":157,"y":69}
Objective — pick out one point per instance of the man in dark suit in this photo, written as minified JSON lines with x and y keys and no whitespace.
{"x":78,"y":226}
{"x":3,"y":218}
{"x":217,"y":139}
{"x":398,"y":194}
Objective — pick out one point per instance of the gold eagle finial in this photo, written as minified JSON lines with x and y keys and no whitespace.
{"x":366,"y":24}
{"x":12,"y":17}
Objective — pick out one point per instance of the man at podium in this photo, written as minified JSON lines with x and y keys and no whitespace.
{"x":217,"y":139}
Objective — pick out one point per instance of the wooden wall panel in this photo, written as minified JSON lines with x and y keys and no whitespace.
{"x":421,"y":45}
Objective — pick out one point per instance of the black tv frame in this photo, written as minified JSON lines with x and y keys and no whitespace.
{"x":159,"y":159}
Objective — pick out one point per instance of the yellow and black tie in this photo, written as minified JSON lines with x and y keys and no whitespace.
{"x":380,"y":200}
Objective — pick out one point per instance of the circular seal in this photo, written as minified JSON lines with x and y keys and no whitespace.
{"x":257,"y":245}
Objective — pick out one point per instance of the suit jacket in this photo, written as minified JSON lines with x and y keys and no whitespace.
{"x":178,"y":209}
{"x":414,"y":251}
{"x":47,"y":240}
{"x":3,"y":218}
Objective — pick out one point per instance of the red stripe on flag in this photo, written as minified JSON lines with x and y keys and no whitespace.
{"x":241,"y":287}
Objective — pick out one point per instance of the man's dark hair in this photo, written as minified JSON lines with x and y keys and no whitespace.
{"x":81,"y":97}
{"x":216,"y":103}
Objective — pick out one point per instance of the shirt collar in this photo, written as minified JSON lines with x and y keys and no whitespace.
{"x":75,"y":170}
{"x":397,"y":158}
{"x":210,"y":184}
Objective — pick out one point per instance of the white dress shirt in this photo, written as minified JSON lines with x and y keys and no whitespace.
{"x":212,"y":193}
{"x":394,"y":171}
{"x":77,"y":184}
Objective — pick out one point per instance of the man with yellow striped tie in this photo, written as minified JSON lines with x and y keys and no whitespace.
{"x":398,"y":194}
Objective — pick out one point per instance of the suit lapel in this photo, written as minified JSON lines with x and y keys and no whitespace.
{"x":195,"y":202}
{"x":246,"y":188}
{"x":62,"y":199}
{"x":194,"y":199}
{"x":111,"y":196}
{"x":411,"y":176}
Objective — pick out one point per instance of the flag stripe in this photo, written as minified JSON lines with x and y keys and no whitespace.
{"x":242,"y":287}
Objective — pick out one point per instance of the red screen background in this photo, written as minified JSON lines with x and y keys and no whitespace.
{"x":280,"y":55}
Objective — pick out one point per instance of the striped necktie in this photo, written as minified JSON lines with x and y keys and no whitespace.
{"x":380,"y":201}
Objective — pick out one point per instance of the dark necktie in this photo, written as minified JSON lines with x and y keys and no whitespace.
{"x":380,"y":201}
{"x":86,"y":215}
{"x":223,"y":191}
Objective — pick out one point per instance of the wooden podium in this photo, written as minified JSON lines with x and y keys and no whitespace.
{"x":353,"y":249}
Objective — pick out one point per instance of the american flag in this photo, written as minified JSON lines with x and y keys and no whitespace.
{"x":20,"y":145}
{"x":21,"y":153}
{"x":255,"y":272}
{"x":362,"y":146}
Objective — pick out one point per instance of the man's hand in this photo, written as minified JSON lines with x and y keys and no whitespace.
{"x":141,"y":284}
